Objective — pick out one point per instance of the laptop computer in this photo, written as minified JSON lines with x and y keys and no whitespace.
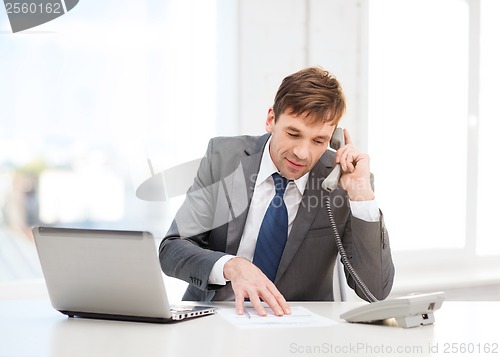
{"x":107,"y":274}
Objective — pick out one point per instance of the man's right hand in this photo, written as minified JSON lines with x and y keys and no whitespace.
{"x":248,"y":281}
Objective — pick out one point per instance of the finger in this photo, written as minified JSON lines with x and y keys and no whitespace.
{"x":255,"y":300}
{"x":239,"y":303}
{"x":344,"y":161}
{"x":350,"y":161}
{"x":340,"y":153}
{"x":279,"y":300}
{"x":348,"y":158}
{"x":283,"y":304}
{"x":273,"y":304}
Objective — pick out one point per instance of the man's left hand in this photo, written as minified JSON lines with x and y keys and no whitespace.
{"x":355,"y":178}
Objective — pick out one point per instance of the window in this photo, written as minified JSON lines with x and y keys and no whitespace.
{"x":85,"y":102}
{"x":433,"y":120}
{"x":418,"y":111}
{"x":488,"y":239}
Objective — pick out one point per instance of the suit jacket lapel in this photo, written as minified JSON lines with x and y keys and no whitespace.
{"x":235,"y":184}
{"x":308,"y":210}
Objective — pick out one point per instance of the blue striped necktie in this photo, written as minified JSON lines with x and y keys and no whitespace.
{"x":273,"y":231}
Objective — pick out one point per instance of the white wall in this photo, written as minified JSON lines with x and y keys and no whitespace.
{"x":277,"y":38}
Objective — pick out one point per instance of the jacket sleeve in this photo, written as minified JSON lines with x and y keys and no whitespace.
{"x":183,"y":252}
{"x":368,"y":250}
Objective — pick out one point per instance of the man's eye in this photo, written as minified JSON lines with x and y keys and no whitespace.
{"x":319,"y":142}
{"x":292,"y":135}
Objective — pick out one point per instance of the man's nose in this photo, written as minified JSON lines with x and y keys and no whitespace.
{"x":301,"y":150}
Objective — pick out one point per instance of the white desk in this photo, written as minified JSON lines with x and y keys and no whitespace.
{"x":33,"y":328}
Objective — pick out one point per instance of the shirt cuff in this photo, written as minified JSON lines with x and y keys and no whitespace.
{"x":365,"y":210}
{"x":216,"y":276}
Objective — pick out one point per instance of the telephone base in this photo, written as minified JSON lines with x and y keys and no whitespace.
{"x":415,"y":320}
{"x":408,"y":311}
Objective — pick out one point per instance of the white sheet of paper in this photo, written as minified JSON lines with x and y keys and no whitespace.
{"x":300,"y":317}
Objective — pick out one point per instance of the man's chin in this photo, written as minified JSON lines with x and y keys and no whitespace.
{"x":294,"y":174}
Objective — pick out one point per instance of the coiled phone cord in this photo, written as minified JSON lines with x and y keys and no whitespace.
{"x":343,"y":254}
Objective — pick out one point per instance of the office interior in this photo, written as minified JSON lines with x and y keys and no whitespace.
{"x":103,"y":98}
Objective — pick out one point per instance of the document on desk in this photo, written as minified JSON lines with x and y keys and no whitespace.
{"x":300,"y":317}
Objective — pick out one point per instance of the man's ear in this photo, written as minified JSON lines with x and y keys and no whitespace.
{"x":270,"y":120}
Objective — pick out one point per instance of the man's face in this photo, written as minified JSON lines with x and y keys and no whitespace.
{"x":296,"y":145}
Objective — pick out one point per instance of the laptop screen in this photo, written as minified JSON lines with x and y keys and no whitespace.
{"x":102,"y":271}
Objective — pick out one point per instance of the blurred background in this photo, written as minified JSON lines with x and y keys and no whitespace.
{"x":95,"y":102}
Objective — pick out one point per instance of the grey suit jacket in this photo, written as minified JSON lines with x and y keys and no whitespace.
{"x":210,"y":224}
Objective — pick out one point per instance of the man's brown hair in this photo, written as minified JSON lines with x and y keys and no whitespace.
{"x":313,"y":92}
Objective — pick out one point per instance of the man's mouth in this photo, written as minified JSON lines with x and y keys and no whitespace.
{"x":294,"y":164}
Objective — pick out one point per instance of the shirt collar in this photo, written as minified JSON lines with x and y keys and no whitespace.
{"x":267,"y":168}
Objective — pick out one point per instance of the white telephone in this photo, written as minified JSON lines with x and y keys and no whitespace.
{"x":336,"y":142}
{"x":409,"y":311}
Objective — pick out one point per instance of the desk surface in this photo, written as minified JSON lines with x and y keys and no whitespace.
{"x":33,"y":328}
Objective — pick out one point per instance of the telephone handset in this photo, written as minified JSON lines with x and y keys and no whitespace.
{"x":336,"y":142}
{"x":410,"y":311}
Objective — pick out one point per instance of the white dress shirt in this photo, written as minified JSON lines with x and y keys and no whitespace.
{"x":263,"y":194}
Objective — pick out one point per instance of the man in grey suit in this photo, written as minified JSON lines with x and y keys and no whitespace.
{"x":218,"y":232}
